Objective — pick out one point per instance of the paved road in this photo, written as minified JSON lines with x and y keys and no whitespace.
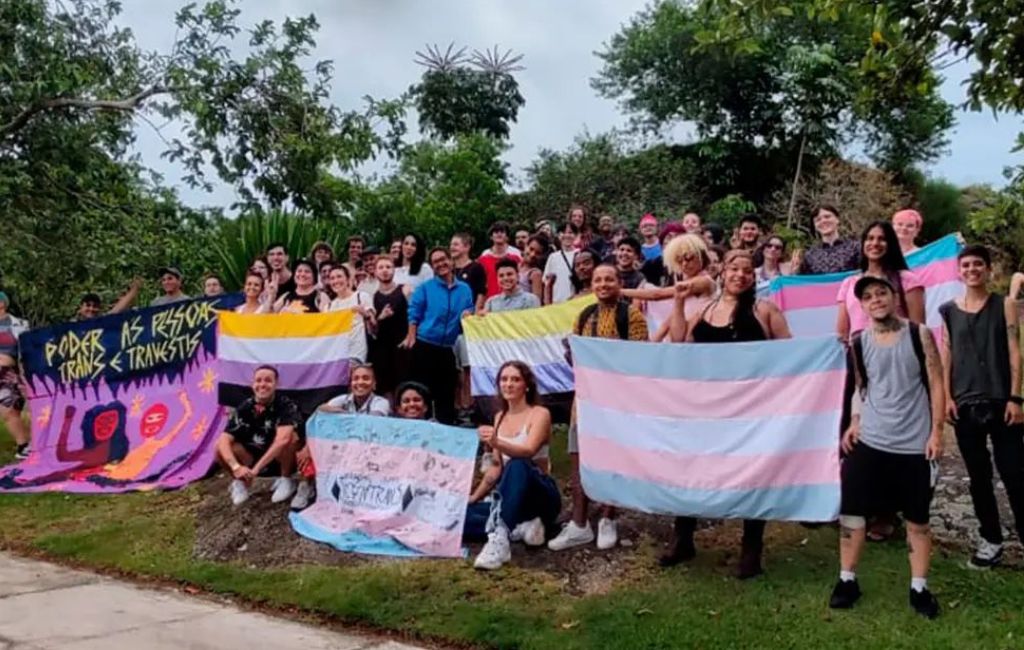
{"x":45,"y":606}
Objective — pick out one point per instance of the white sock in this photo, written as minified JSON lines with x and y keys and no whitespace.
{"x":847,"y":576}
{"x":918,"y":584}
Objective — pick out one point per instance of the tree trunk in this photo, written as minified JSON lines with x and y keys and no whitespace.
{"x":796,"y":180}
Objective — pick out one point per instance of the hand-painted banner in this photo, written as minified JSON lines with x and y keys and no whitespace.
{"x":310,"y":351}
{"x":809,"y":301}
{"x":730,"y":430}
{"x":122,"y":402}
{"x":388,"y":486}
{"x":536,"y":336}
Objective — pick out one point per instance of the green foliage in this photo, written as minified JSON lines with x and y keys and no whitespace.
{"x":727,"y":211}
{"x":942,"y":205}
{"x":996,"y":219}
{"x":606,"y":176}
{"x":438,"y":189}
{"x":240,"y":241}
{"x":769,"y":78}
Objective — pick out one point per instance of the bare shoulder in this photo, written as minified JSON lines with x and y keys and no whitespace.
{"x":765,"y":307}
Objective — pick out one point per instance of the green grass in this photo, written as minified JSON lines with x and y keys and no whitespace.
{"x":151,"y":535}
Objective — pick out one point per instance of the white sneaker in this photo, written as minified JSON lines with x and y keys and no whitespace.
{"x":284,"y":488}
{"x":495,"y":552}
{"x":303,"y":496}
{"x":607,"y":533}
{"x":239,"y":492}
{"x":986,"y":555}
{"x":572,"y":535}
{"x":529,"y":532}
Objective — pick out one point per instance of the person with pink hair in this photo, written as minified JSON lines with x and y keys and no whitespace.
{"x":907,"y":224}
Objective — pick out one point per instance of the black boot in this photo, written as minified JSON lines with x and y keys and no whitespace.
{"x":750,"y":562}
{"x":682,"y":548}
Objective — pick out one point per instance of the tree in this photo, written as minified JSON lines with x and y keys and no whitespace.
{"x":439,"y":188}
{"x":605,"y":175}
{"x":768,"y":79}
{"x":463,"y":94}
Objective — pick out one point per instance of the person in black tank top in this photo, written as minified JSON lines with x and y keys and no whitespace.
{"x":306,"y":298}
{"x":736,"y":316}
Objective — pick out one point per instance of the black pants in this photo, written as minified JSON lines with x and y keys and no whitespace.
{"x":975,"y":424}
{"x":434,"y":367}
{"x":753,"y":531}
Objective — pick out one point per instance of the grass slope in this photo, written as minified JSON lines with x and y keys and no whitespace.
{"x":695,"y":606}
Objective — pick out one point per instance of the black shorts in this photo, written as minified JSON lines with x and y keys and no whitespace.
{"x":272,"y":469}
{"x":878,"y":482}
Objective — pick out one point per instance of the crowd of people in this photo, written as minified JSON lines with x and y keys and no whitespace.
{"x":409,"y":360}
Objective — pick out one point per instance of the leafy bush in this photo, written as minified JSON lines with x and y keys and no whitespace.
{"x":942,"y":206}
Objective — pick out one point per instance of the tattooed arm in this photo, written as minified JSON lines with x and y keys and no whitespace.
{"x":1014,"y":413}
{"x":937,"y":390}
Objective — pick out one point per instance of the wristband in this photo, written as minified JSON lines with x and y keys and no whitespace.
{"x":1017,"y":399}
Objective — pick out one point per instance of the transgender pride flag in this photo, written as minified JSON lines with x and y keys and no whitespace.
{"x":746,"y":430}
{"x":809,"y":301}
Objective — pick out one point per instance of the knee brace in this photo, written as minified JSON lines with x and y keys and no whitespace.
{"x":853,"y":523}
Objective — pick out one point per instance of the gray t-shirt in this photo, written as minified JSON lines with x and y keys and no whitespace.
{"x":167,"y":300}
{"x":374,"y":405}
{"x":518,"y":300}
{"x":896,"y":416}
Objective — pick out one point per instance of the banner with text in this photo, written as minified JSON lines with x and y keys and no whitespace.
{"x":122,"y":402}
{"x":388,"y":486}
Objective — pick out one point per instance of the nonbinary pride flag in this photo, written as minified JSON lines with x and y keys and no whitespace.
{"x":809,"y":301}
{"x":746,"y":430}
{"x":534,"y":336}
{"x":310,"y":351}
{"x":388,"y":486}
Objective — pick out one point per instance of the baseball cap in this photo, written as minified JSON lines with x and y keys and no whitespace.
{"x":867,"y":281}
{"x":173,"y":270}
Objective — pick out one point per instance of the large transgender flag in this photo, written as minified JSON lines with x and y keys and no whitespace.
{"x":388,"y":486}
{"x":310,"y":351}
{"x":809,"y":301}
{"x":745,"y":430}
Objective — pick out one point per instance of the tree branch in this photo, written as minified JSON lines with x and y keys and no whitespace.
{"x":127,"y":104}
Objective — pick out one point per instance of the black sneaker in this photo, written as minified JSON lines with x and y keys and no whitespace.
{"x":986,"y":556}
{"x":22,"y":451}
{"x":924,"y":603}
{"x":844,"y":594}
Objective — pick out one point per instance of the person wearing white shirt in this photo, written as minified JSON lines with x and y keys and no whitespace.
{"x":359,"y":303}
{"x":558,"y":272}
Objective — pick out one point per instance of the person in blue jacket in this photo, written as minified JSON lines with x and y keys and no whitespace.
{"x":435,"y":322}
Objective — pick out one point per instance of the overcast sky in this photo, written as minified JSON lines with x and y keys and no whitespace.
{"x":373,"y":42}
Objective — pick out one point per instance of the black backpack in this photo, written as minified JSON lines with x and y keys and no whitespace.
{"x":915,"y":340}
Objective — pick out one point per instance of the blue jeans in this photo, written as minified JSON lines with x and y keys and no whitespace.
{"x":523,"y":493}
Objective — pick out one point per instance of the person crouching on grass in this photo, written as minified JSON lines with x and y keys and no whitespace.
{"x":893,"y":442}
{"x":262,"y":435}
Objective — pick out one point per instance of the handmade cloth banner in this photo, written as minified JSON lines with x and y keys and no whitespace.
{"x":746,"y":430}
{"x":310,"y":351}
{"x":809,"y":301}
{"x":388,"y":486}
{"x":535,"y":336}
{"x":122,"y":402}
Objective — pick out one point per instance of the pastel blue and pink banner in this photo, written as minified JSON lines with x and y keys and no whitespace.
{"x":809,"y":301}
{"x":122,"y":402}
{"x":388,"y":486}
{"x":745,"y":430}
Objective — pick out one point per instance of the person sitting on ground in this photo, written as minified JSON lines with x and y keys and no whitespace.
{"x":212,"y":286}
{"x":90,"y":306}
{"x":413,"y":402}
{"x":524,"y":498}
{"x":893,"y":442}
{"x":734,"y":316}
{"x":12,"y":393}
{"x":306,"y":298}
{"x":610,"y":318}
{"x":982,"y":372}
{"x":360,"y":400}
{"x":170,"y":285}
{"x":262,"y":435}
{"x":512,"y":296}
{"x":252,"y":291}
